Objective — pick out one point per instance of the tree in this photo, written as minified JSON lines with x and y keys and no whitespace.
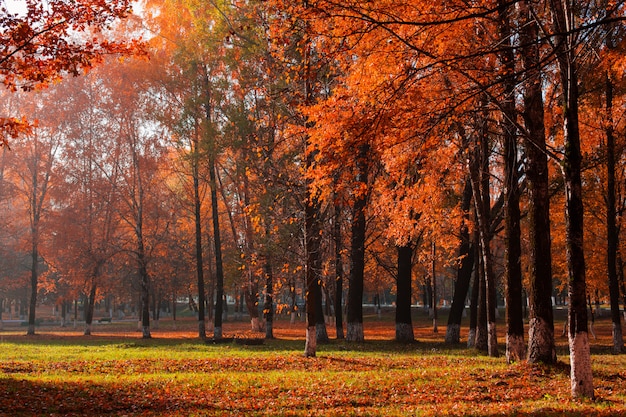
{"x":357,"y":248}
{"x":32,"y":167}
{"x":612,"y":231}
{"x":404,"y":322}
{"x":42,"y":42}
{"x":38,"y":156}
{"x":86,"y":200}
{"x":515,"y":348}
{"x":541,"y":346}
{"x":566,"y":43}
{"x":464,"y":271}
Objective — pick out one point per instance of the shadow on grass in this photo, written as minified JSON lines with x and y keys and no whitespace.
{"x":30,"y":398}
{"x":20,"y":397}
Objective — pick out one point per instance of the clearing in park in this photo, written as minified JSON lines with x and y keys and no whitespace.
{"x":115,"y":372}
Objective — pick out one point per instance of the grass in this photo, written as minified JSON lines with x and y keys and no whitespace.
{"x":116,"y":373}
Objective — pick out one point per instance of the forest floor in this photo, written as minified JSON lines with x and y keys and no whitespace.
{"x":114,"y":372}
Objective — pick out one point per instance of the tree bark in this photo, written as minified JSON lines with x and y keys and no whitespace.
{"x":474,"y":299}
{"x":199,"y":251}
{"x":312,"y":241}
{"x":479,"y":174}
{"x":337,"y":235}
{"x":433,"y":274}
{"x":515,"y":348}
{"x":580,"y":356}
{"x":404,"y":322}
{"x":145,"y":293}
{"x":464,"y":272}
{"x":34,"y":277}
{"x":219,"y":269}
{"x":269,"y":299}
{"x":91,"y":299}
{"x":541,"y":347}
{"x":611,"y":227}
{"x":482,"y":332}
{"x":357,"y":251}
{"x":320,"y":324}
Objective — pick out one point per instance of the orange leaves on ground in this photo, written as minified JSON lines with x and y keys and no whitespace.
{"x":289,"y":384}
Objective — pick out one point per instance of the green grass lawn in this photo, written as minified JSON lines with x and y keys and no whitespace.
{"x":116,"y":373}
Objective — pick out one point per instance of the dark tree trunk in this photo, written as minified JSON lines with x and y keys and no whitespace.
{"x":269,"y":299}
{"x":464,"y":273}
{"x":475,"y":296}
{"x":482,"y":337}
{"x":611,"y":227}
{"x":320,"y":325}
{"x":480,"y":176}
{"x":91,"y":300}
{"x":515,"y":348}
{"x":541,"y":346}
{"x":338,"y":274}
{"x":145,"y":295}
{"x":313,"y":245}
{"x":622,"y":281}
{"x":63,"y":313}
{"x":34,"y":277}
{"x":199,"y":250}
{"x":357,"y":252}
{"x":174,"y":308}
{"x":434,"y":287}
{"x":404,"y":322}
{"x":219,"y":269}
{"x":580,"y":354}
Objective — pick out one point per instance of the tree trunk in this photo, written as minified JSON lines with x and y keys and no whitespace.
{"x":269,"y":299}
{"x":611,"y":227}
{"x":474,"y":299}
{"x":404,"y":322}
{"x":480,"y":176}
{"x":91,"y":300}
{"x":482,"y":335}
{"x":312,"y":241}
{"x":219,"y":269}
{"x":434,"y":282}
{"x":541,"y":347}
{"x":251,"y":299}
{"x":464,"y":273}
{"x":580,"y":355}
{"x":199,"y":250}
{"x":145,"y":296}
{"x":174,"y":308}
{"x":515,"y":349}
{"x":320,"y":324}
{"x":34,"y":277}
{"x":357,"y":252}
{"x":338,"y":273}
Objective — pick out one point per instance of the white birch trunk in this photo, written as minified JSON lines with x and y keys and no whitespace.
{"x":492,"y":340}
{"x":581,"y":376}
{"x":310,"y":346}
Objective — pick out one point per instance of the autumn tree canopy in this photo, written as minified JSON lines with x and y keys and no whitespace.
{"x":40,"y":42}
